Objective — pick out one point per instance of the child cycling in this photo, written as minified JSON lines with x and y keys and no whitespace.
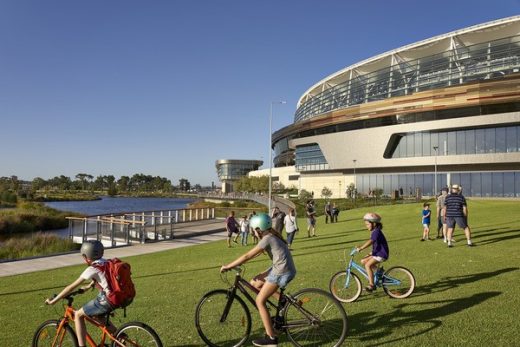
{"x":380,"y":251}
{"x":92,"y":252}
{"x":277,"y":276}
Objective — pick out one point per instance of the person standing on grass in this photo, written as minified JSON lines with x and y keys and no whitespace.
{"x":380,"y":251}
{"x":291,"y":227}
{"x":280,"y":273}
{"x":254,"y":236}
{"x":328,"y":213}
{"x":232,"y":227}
{"x":335,"y":213}
{"x":425,"y":221}
{"x":441,"y":220}
{"x":277,"y":217}
{"x":244,"y":229}
{"x":456,"y":212}
{"x":311,"y":218}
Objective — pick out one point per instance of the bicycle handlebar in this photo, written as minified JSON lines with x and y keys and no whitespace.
{"x":354,"y":251}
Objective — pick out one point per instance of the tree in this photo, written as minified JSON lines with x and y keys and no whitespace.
{"x":122,"y":183}
{"x":326,"y":193}
{"x":184,"y":185}
{"x":304,"y":196}
{"x":82,"y":177}
{"x":351,"y":191}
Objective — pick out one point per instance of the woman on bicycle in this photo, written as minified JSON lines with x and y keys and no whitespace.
{"x":380,"y":251}
{"x":92,"y":252}
{"x":277,"y":276}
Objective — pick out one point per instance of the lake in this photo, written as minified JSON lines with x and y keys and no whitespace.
{"x":108,"y":205}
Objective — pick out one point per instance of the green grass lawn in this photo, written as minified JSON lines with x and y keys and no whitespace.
{"x":464,"y":296}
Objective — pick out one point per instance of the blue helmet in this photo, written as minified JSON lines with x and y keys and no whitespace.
{"x":261,"y":221}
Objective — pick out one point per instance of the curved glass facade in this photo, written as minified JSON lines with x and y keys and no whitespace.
{"x":458,"y":142}
{"x":310,"y":158}
{"x":483,"y":61}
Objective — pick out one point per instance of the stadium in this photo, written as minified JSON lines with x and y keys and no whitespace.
{"x":440,"y":111}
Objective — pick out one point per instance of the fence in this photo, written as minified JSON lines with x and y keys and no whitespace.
{"x":134,"y":227}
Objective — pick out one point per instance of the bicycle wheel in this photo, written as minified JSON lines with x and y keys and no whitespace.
{"x":317,"y":319}
{"x":137,"y":334}
{"x":46,"y":336}
{"x":219,"y":328}
{"x":339,"y":289}
{"x":398,"y":282}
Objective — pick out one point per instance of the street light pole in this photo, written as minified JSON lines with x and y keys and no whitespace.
{"x":355,"y":183}
{"x":271,"y":153}
{"x":435,"y":148}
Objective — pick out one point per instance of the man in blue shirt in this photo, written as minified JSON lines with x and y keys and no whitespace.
{"x":456,"y":212}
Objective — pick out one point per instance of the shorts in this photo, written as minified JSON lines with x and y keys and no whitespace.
{"x":311,"y":221}
{"x":378,"y":258}
{"x":98,"y":306}
{"x":460,"y":221}
{"x":440,"y":222}
{"x":426,"y":225}
{"x":281,"y":280}
{"x":230,"y":233}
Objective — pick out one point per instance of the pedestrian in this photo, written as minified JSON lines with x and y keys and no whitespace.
{"x":456,"y":212}
{"x":335,"y":213}
{"x":254,"y":236}
{"x":232,"y":227}
{"x":441,"y":220}
{"x":425,"y":221}
{"x":278,"y":217}
{"x":328,"y":213}
{"x":311,"y":218}
{"x":280,"y":273}
{"x":380,"y":251}
{"x":291,"y":226}
{"x":244,"y":229}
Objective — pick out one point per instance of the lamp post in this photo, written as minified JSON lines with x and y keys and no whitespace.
{"x":271,"y":153}
{"x":339,"y":190}
{"x":435,"y":148}
{"x":355,"y":183}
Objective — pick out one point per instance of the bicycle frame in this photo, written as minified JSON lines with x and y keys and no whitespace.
{"x":243,"y":286}
{"x":69,"y":317}
{"x":385,"y":279}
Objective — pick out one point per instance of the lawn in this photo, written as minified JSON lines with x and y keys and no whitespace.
{"x":464,"y":296}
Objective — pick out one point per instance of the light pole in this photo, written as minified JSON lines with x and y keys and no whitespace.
{"x":339,"y":190}
{"x":271,"y":153}
{"x":435,"y":148}
{"x":355,"y":183}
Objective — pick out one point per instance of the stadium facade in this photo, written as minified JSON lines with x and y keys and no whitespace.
{"x":445,"y":109}
{"x":231,"y":170}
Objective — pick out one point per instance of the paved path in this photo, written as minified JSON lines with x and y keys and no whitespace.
{"x":187,"y":234}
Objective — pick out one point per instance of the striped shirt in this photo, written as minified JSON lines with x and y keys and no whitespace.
{"x":454,"y":205}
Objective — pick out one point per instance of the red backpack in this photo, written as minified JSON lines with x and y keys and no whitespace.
{"x":118,"y":275}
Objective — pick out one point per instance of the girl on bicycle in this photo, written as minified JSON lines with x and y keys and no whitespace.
{"x":277,"y":276}
{"x":380,"y":251}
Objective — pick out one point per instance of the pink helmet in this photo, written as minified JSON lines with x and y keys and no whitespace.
{"x":372,"y":217}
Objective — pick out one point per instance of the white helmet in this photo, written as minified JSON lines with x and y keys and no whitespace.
{"x":372,"y":217}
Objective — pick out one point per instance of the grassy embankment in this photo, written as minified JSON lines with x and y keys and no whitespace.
{"x":31,"y":218}
{"x":464,"y":296}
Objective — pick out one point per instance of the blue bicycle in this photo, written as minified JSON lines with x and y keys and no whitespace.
{"x":397,"y":282}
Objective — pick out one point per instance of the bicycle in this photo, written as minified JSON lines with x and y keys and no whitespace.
{"x":310,"y":317}
{"x":397,"y":282}
{"x":58,"y":332}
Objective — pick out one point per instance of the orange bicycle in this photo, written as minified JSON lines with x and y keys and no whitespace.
{"x":58,"y":332}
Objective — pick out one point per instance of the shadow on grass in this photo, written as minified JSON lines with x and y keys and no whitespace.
{"x":491,"y":236}
{"x":368,"y":326}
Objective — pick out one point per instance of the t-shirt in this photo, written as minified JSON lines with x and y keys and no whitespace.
{"x":244,"y":225}
{"x":94,"y":273}
{"x":278,"y":221}
{"x":454,"y":205}
{"x":379,"y":244}
{"x":310,"y":212}
{"x":231,"y":224}
{"x":290,"y":224}
{"x":279,"y":254}
{"x":440,"y":203}
{"x":426,"y":220}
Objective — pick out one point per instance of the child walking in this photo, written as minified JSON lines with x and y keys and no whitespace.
{"x":380,"y":251}
{"x":279,"y":274}
{"x":244,"y":229}
{"x":425,"y":221}
{"x":92,"y":253}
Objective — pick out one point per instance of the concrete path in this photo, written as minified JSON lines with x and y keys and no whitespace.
{"x":186,"y":234}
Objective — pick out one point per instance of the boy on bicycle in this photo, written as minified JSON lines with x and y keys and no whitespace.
{"x":277,"y":276}
{"x":380,"y":251}
{"x":92,"y":252}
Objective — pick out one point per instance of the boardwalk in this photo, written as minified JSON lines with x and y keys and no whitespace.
{"x":186,"y":234}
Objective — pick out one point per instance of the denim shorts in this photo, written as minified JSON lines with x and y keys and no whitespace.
{"x":281,"y":280}
{"x":98,"y":306}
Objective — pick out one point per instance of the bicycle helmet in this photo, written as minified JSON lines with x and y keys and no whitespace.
{"x":92,"y":249}
{"x":261,"y":221}
{"x":372,"y":217}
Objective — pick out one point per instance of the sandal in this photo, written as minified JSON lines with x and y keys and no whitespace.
{"x":370,"y":289}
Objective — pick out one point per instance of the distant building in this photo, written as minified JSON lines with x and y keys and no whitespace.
{"x":231,"y":170}
{"x":446,"y":108}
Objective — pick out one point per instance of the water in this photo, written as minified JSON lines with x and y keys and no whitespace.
{"x":108,"y":205}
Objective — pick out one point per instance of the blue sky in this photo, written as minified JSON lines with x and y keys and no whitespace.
{"x":168,"y":87}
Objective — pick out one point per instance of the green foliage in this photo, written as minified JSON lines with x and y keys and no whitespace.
{"x":36,"y":245}
{"x":304,"y":196}
{"x":252,"y":184}
{"x":464,"y":296}
{"x":326,"y":193}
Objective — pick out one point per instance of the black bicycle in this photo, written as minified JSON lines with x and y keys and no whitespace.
{"x":311,"y":317}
